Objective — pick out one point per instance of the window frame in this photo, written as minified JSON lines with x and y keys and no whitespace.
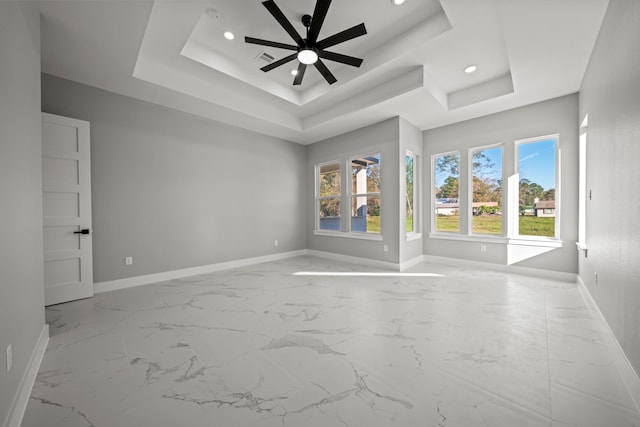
{"x":350,"y":195}
{"x":345,"y":200}
{"x":433,"y":194}
{"x":415,"y":233}
{"x":318,"y":197}
{"x":514,"y":231}
{"x":583,"y":194}
{"x":470,"y":175}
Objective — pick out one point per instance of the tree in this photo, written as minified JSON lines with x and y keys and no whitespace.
{"x":330,"y":186}
{"x":480,"y":163}
{"x":449,"y":163}
{"x":529,"y":191}
{"x":409,"y":186}
{"x":449,"y":190}
{"x":486,"y":190}
{"x":549,"y":194}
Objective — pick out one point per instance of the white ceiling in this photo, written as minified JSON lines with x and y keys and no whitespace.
{"x":172,"y":52}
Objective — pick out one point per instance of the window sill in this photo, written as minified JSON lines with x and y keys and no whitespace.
{"x":467,"y":238}
{"x":349,"y":235}
{"x":413,"y":236}
{"x":533,"y":241}
{"x":522,"y":241}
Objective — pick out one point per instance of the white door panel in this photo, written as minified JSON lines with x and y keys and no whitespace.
{"x":66,"y":203}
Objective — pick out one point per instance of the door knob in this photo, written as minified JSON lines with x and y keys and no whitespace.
{"x":83,"y":231}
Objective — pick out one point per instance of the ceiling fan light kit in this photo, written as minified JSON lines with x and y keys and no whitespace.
{"x":310,"y":51}
{"x":307,"y":56}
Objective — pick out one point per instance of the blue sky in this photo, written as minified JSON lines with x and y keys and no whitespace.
{"x":537,"y":162}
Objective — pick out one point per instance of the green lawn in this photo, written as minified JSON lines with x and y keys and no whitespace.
{"x":373,"y":224}
{"x":534,"y":226}
{"x":447,"y":222}
{"x":491,"y":224}
{"x":487,"y":224}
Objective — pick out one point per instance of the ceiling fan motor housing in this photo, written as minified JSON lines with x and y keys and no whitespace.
{"x":309,"y":51}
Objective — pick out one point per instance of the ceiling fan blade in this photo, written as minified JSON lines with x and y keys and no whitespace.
{"x":330,"y":78}
{"x":338,"y":57}
{"x":343,"y":36}
{"x":319,"y":13}
{"x":301,"y":69}
{"x":269,"y":43}
{"x":273,"y":8}
{"x":279,"y":62}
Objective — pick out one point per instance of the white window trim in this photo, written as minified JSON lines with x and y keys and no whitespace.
{"x":510,"y":199}
{"x":350,"y":196}
{"x":583,"y":193}
{"x":513,"y":228}
{"x":433,"y":191}
{"x":416,"y":233}
{"x":470,"y":188}
{"x":317,"y":192}
{"x":348,"y":235}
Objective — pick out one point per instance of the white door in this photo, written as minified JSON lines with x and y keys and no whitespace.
{"x":66,"y":205}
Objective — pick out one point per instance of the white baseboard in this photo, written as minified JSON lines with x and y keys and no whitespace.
{"x":408,"y":264}
{"x":535,"y":272}
{"x":628,"y":374}
{"x":354,"y":260}
{"x":21,"y":399}
{"x":146,"y":279}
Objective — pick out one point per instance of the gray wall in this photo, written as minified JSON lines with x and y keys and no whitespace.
{"x":21,"y":261}
{"x":610,"y":95}
{"x":559,"y":115}
{"x":175,"y":191}
{"x":382,"y":137}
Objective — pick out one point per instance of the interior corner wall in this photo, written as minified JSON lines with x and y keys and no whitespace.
{"x":410,"y":139}
{"x":21,"y":258}
{"x":381,"y":137}
{"x":176,"y":191}
{"x":610,"y":96}
{"x":559,"y":115}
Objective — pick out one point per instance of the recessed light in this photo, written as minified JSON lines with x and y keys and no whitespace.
{"x":229,"y":35}
{"x":397,"y":2}
{"x":470,"y":68}
{"x":294,"y":72}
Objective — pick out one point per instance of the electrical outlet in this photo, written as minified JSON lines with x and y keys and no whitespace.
{"x":385,"y":248}
{"x":275,"y":243}
{"x":9,"y":357}
{"x":483,"y":248}
{"x":128,"y":260}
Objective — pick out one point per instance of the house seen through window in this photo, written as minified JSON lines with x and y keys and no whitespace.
{"x":329,"y":194}
{"x":365,"y":194}
{"x":537,"y":160}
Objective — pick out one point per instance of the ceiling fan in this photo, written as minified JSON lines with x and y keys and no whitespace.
{"x":310,"y":51}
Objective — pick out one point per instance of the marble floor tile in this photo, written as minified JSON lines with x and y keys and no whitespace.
{"x":310,"y":342}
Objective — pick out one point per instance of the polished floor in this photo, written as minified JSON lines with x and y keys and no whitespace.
{"x":307,"y":342}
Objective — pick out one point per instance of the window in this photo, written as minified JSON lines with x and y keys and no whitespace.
{"x":410,"y":162}
{"x":446,"y":192}
{"x":537,"y":169}
{"x":486,"y":173}
{"x":329,"y":193}
{"x":582,"y":188}
{"x":365,"y":193}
